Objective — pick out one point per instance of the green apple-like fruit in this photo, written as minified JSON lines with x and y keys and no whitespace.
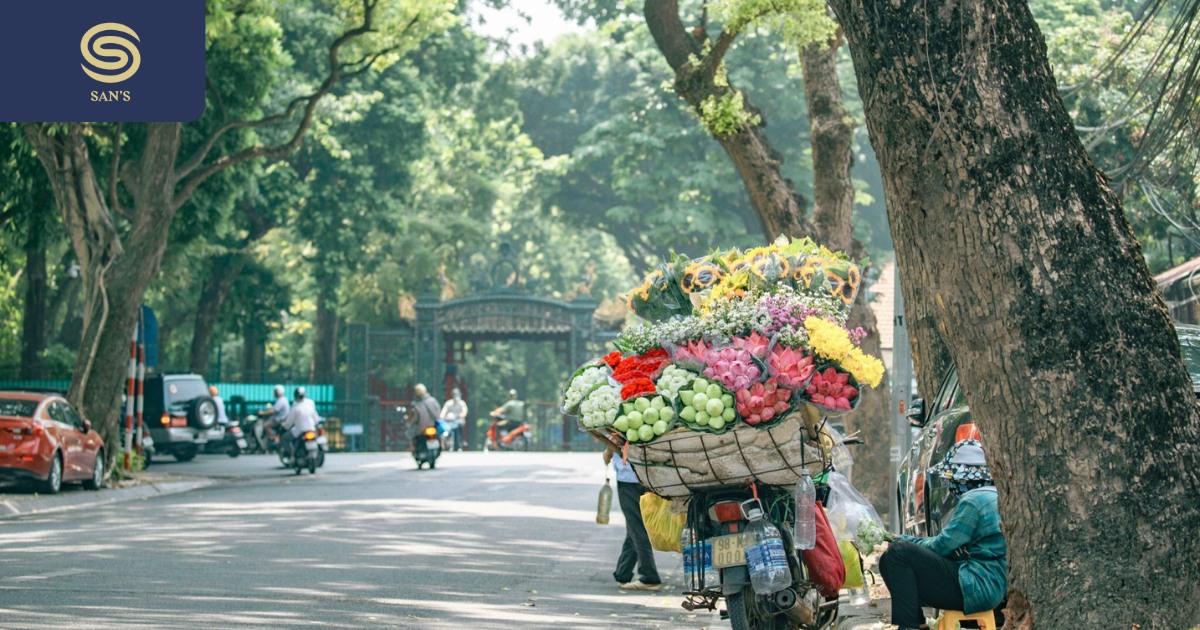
{"x":688,"y":413}
{"x":699,"y":385}
{"x":650,"y":415}
{"x":667,"y":414}
{"x":660,"y":427}
{"x":686,"y":396}
{"x":702,"y":418}
{"x":716,"y":424}
{"x":713,"y":390}
{"x":635,"y":419}
{"x":714,"y":407}
{"x":646,"y":432}
{"x":699,"y":401}
{"x":622,"y":424}
{"x":727,"y":400}
{"x":728,"y":415}
{"x":657,"y":403}
{"x":641,"y":404}
{"x":626,"y":407}
{"x":631,"y":435}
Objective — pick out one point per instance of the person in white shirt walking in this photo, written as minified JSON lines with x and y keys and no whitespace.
{"x":636,"y":552}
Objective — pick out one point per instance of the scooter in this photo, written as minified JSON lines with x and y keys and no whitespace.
{"x":232,"y":443}
{"x":427,"y":448}
{"x":285,"y":446}
{"x":507,"y":435}
{"x":307,"y":456}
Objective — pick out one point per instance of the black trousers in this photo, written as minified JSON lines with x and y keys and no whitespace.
{"x":919,"y":577}
{"x":636,"y":552}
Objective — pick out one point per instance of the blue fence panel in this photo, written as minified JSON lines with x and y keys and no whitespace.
{"x":62,"y":385}
{"x":259,"y":392}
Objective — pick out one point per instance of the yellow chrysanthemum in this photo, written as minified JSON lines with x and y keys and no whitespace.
{"x":865,"y":368}
{"x":828,"y":339}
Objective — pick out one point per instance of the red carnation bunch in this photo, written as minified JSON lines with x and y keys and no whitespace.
{"x":612,"y":359}
{"x":647,"y":366}
{"x":638,"y":387}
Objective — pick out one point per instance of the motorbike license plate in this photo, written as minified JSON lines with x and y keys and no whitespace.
{"x":312,"y":446}
{"x":728,"y":551}
{"x":241,"y":442}
{"x":432,"y":444}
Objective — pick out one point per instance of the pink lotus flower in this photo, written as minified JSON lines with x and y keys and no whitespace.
{"x":755,"y":344}
{"x":693,"y":354}
{"x":732,"y":367}
{"x":790,"y":367}
{"x":762,"y":402}
{"x":832,"y":389}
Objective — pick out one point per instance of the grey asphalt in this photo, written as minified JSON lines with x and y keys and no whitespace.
{"x":487,"y":540}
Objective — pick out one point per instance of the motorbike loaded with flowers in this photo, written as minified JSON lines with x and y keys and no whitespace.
{"x":719,"y":400}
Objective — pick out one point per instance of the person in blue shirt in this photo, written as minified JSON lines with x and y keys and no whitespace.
{"x":636,"y":552}
{"x":964,"y":566}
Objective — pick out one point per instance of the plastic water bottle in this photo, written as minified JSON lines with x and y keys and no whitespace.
{"x":806,"y":517}
{"x":604,"y":503}
{"x":769,"y":572}
{"x":697,"y":553}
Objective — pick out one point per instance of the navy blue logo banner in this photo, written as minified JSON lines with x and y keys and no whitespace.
{"x":102,"y":60}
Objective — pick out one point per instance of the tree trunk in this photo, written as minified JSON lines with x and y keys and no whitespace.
{"x":832,"y":132}
{"x":114,"y":278}
{"x":325,"y":336}
{"x":253,"y":353}
{"x":33,"y":332}
{"x":779,"y":207}
{"x":223,"y":270}
{"x":1037,"y":285}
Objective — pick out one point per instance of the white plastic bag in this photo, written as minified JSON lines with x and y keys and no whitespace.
{"x":851,"y":516}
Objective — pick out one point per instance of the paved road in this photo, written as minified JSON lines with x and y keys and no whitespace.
{"x":488,"y":540}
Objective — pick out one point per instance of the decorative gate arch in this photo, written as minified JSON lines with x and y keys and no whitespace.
{"x":443,"y":329}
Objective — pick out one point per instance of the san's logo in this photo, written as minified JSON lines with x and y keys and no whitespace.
{"x":123,"y":58}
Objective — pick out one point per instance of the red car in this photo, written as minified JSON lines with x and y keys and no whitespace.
{"x":43,"y":440}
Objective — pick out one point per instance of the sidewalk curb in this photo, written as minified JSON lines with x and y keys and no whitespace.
{"x":82,"y":499}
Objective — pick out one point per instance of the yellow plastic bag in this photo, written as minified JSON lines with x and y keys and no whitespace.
{"x":850,"y":558}
{"x":663,"y":526}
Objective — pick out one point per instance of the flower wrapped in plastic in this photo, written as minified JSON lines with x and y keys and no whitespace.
{"x":599,"y":408}
{"x":763,"y":404}
{"x":582,"y":382}
{"x":673,"y":379}
{"x":644,"y":418}
{"x":833,"y":390}
{"x":659,"y":297}
{"x":706,"y":406}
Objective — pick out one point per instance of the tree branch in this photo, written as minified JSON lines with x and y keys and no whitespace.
{"x":114,"y":174}
{"x":191,"y":180}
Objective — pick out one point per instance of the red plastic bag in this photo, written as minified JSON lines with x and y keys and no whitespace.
{"x":824,"y":561}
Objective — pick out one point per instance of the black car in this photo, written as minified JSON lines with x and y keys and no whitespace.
{"x":945,"y":419}
{"x":180,"y":415}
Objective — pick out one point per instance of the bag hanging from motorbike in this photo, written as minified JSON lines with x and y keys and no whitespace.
{"x":663,"y":526}
{"x":824,"y":561}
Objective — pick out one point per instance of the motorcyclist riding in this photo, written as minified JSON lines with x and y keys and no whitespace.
{"x":267,"y":431}
{"x":301,"y":418}
{"x":425,"y":414}
{"x":511,"y":414}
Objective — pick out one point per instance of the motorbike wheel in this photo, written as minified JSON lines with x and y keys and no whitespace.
{"x":521,"y":443}
{"x":320,"y":458}
{"x":312,"y":465}
{"x":234,"y":451}
{"x":744,"y":614}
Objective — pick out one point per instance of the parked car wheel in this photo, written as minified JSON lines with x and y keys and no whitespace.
{"x":185,"y":454}
{"x":97,"y":480}
{"x":53,"y":482}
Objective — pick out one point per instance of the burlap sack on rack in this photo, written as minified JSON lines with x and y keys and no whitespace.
{"x":682,"y":459}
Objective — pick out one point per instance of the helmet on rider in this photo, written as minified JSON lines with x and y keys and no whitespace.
{"x":278,"y":391}
{"x":299,"y":394}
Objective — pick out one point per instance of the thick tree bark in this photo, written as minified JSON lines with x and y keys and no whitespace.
{"x":253,"y":353}
{"x":223,"y":270}
{"x":1036,"y":283}
{"x":325,"y":335}
{"x":832,"y":132}
{"x":780,"y":208}
{"x":33,"y":324}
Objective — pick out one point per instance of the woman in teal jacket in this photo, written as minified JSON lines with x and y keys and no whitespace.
{"x":963,"y":567}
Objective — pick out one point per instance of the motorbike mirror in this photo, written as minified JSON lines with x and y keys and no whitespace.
{"x":87,"y":426}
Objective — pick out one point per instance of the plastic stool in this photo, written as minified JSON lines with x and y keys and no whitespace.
{"x":985,"y":619}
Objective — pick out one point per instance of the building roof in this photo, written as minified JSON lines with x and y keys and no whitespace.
{"x":1172,"y":276}
{"x":883,"y":304}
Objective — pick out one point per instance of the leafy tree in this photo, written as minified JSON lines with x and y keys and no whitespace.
{"x":1013,"y":243}
{"x":119,"y":230}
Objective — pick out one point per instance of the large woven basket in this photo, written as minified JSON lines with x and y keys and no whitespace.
{"x":683,"y":459}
